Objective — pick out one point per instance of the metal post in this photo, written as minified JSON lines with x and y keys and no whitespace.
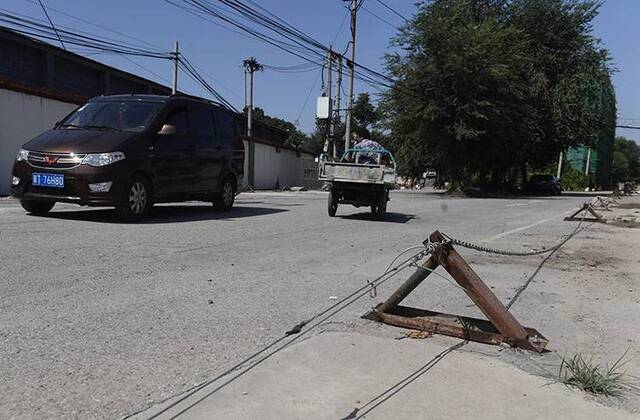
{"x":409,"y":285}
{"x":560,"y":164}
{"x":330,"y":131}
{"x":479,"y":293}
{"x":176,"y":60}
{"x":347,"y":134}
{"x":586,"y":167}
{"x":338,"y":104}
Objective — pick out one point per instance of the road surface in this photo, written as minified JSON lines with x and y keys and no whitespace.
{"x":101,"y":319}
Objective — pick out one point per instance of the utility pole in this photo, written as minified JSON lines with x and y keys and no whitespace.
{"x":251,"y":65}
{"x":176,"y":60}
{"x":336,"y":119}
{"x":330,"y":129}
{"x":351,"y":64}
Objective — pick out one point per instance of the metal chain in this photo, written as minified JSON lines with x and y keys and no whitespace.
{"x":481,"y":248}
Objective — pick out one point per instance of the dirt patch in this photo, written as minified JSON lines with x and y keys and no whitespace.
{"x":585,"y":257}
{"x":628,"y":206}
{"x":624,"y":223}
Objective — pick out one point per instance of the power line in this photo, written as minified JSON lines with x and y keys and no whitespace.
{"x":379,"y":18}
{"x":80,"y":32}
{"x":306,"y":101}
{"x":392,"y":10}
{"x":308,"y":48}
{"x":193,"y":73}
{"x":33,"y":28}
{"x":79,"y":19}
{"x":52,"y":25}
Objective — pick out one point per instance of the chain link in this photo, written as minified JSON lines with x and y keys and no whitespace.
{"x":469,"y":245}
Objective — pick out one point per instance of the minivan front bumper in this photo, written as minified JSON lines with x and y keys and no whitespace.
{"x":76,"y":184}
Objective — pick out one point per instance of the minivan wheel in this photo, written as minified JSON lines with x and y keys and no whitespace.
{"x":224,"y":199}
{"x":37,"y":207}
{"x":136,"y":200}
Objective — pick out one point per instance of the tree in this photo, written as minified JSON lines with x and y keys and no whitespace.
{"x":488,"y":86}
{"x":626,"y":160}
{"x":296,"y":138}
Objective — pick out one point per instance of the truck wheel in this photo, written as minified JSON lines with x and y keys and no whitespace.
{"x":37,"y":207}
{"x":332,"y":204}
{"x":136,"y":200}
{"x":381,"y":208}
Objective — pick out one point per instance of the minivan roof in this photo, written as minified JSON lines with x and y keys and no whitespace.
{"x":154,"y":98}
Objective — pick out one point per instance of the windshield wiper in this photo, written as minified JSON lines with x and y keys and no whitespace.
{"x":88,"y":126}
{"x":101,"y":127}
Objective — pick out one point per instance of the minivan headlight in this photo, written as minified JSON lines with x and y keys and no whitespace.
{"x":102,"y":159}
{"x":22,"y":155}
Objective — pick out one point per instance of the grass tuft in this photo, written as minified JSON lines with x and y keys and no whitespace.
{"x":584,"y":374}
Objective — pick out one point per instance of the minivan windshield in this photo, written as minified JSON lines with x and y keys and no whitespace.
{"x":113,"y":115}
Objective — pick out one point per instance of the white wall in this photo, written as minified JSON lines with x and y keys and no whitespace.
{"x":276,"y":166}
{"x":23,"y":117}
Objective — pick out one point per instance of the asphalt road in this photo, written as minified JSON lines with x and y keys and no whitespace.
{"x":101,"y":320}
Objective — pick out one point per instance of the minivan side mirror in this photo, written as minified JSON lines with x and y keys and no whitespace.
{"x":167,"y":130}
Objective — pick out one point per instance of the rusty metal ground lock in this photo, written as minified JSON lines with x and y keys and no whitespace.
{"x":500,"y":327}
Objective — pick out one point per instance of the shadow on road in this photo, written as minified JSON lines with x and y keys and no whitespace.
{"x":165,"y":214}
{"x":389,"y":217}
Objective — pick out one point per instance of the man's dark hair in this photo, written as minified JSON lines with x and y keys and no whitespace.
{"x":363,"y":133}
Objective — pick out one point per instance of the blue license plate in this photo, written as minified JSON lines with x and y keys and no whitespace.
{"x":47,"y":180}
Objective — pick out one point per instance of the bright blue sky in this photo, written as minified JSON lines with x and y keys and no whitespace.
{"x":219,"y":52}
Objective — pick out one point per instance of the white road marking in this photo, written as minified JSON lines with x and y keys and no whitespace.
{"x":520,"y":229}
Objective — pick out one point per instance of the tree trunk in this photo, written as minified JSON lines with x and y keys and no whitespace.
{"x":523,"y":172}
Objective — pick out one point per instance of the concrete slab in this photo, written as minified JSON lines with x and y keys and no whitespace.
{"x":349,"y":375}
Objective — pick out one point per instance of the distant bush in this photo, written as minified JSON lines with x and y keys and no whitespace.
{"x":574,"y":180}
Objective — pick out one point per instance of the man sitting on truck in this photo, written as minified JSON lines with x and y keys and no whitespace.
{"x":362,"y":135}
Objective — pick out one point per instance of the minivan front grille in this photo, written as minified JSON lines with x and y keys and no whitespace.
{"x":54,"y":160}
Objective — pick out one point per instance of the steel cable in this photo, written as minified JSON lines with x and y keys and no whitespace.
{"x":297,"y":330}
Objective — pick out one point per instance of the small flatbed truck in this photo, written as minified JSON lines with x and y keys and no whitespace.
{"x":362,"y":177}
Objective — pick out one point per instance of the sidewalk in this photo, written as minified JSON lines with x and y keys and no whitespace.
{"x":341,"y":375}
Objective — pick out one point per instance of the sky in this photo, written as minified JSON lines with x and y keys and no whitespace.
{"x":219,"y":52}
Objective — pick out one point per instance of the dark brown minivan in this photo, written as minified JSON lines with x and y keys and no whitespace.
{"x":130,"y":151}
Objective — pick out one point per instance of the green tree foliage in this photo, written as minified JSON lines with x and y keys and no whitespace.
{"x":296,"y":137}
{"x":486,"y":86}
{"x":626,"y":160}
{"x":574,"y":180}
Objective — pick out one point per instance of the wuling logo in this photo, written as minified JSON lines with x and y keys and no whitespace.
{"x":50,"y":160}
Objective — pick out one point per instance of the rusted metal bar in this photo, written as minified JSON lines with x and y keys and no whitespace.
{"x":409,"y":285}
{"x":474,"y":329}
{"x":479,"y":293}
